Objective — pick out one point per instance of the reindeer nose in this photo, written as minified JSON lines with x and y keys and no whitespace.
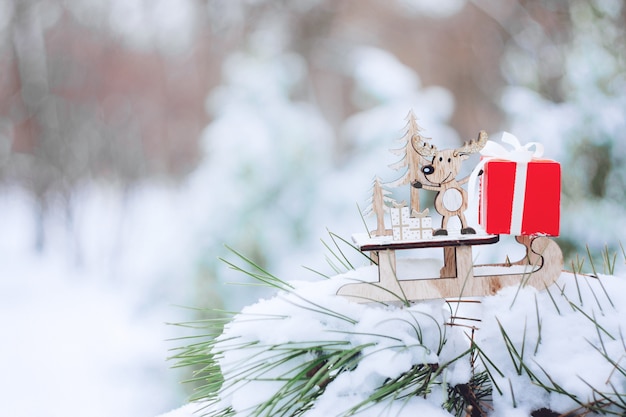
{"x":428,"y":169}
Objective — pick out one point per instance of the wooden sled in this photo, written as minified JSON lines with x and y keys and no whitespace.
{"x":540,"y":267}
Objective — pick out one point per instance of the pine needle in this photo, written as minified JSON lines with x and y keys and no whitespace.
{"x":363,"y":220}
{"x":342,"y":260}
{"x":553,"y":300}
{"x":592,"y":319}
{"x":609,"y":263}
{"x":512,"y":394}
{"x":261,"y":274}
{"x":606,"y":293}
{"x":334,"y":238}
{"x":580,"y":297}
{"x":538,"y":327}
{"x":484,"y":359}
{"x":593,"y":293}
{"x":316,"y":272}
{"x":593,"y":267}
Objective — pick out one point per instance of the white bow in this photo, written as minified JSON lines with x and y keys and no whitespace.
{"x":519,"y":153}
{"x":493,"y":150}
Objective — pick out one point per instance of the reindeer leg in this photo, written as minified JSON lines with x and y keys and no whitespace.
{"x":465,"y":229}
{"x":444,"y":228}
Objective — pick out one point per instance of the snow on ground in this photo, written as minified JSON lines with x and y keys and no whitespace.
{"x":84,"y":330}
{"x":73,"y":345}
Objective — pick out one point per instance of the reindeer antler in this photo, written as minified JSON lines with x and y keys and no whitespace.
{"x":473,"y":146}
{"x":423,"y":148}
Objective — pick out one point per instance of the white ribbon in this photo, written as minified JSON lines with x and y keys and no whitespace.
{"x":519,"y":197}
{"x":519,"y":154}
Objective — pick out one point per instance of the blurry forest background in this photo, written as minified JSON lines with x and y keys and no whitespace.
{"x":137,"y":137}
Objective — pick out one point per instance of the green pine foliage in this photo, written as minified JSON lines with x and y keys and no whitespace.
{"x":230,"y":353}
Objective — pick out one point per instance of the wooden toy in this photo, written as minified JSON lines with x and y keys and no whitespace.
{"x":378,"y":204}
{"x":459,"y":277}
{"x":440,"y":173}
{"x":410,"y":226}
{"x":410,"y":160}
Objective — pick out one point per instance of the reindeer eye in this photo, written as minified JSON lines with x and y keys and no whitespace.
{"x":440,"y":158}
{"x":449,"y":160}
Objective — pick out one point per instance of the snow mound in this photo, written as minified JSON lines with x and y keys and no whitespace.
{"x":310,"y":352}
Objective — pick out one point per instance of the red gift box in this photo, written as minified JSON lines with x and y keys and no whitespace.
{"x":520,"y":198}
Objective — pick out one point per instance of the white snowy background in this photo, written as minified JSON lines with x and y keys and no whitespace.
{"x":83,"y":320}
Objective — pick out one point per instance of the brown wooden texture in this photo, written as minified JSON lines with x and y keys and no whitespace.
{"x":440,"y":173}
{"x":542,"y":265}
{"x":410,"y":159}
{"x":366,"y":245}
{"x":378,"y":196}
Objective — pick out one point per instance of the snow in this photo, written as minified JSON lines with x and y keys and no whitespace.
{"x":188,"y":410}
{"x":540,"y":324}
{"x":439,"y":9}
{"x":379,"y":74}
{"x":583,"y":364}
{"x":85,"y":329}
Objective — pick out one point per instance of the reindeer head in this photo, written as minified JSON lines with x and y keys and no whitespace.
{"x":443,"y":166}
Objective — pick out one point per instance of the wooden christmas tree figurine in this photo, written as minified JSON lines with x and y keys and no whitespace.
{"x":379,"y":201}
{"x":410,"y":159}
{"x":440,"y":171}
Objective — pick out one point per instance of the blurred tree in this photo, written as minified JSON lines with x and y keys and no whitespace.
{"x":115,"y":91}
{"x":565,"y":66}
{"x":77,"y":103}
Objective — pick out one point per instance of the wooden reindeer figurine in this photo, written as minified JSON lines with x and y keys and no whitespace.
{"x":440,"y":173}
